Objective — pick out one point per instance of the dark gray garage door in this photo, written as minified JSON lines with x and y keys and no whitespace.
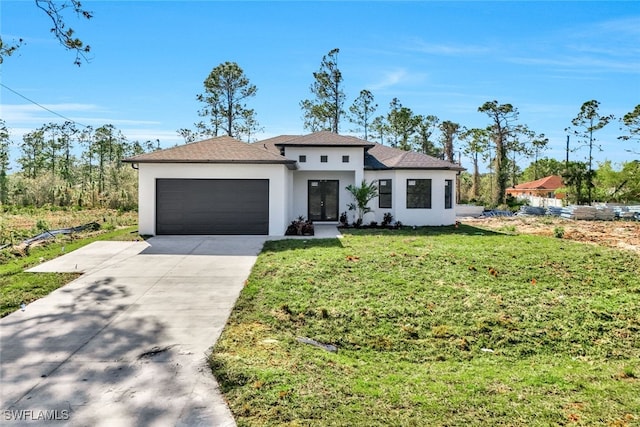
{"x":212,"y":206}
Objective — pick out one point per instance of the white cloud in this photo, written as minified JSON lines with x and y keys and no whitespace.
{"x":622,"y":27}
{"x":396,"y":77}
{"x":24,"y":115}
{"x":391,"y":78}
{"x":30,"y":113}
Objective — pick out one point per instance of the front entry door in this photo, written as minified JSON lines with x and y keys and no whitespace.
{"x":323,"y":200}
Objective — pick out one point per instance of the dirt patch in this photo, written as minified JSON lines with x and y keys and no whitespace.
{"x":615,"y":234}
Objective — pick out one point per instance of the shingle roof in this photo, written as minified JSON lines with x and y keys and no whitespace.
{"x":225,"y":149}
{"x":377,"y":156}
{"x":270,"y":143}
{"x":222,"y":149}
{"x":551,"y":182}
{"x":383,"y":157}
{"x":324,"y":139}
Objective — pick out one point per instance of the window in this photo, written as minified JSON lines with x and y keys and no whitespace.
{"x":323,"y":159}
{"x":448,"y":193}
{"x":418,"y":194}
{"x":345,"y":159}
{"x":384,"y":193}
{"x":302,"y":158}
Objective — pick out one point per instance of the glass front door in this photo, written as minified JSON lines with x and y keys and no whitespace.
{"x":323,"y":200}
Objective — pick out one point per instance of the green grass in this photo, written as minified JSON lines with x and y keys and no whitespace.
{"x":437,"y":326}
{"x":17,"y":286}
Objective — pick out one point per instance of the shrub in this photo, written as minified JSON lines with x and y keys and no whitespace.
{"x":41,"y":225}
{"x":387,"y":219}
{"x":300,"y":227}
{"x":558,"y":232}
{"x":343,"y":218}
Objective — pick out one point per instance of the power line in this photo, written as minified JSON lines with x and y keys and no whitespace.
{"x":42,"y":106}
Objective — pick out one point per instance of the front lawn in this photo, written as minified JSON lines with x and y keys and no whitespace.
{"x":18,"y":286}
{"x":435,"y":326}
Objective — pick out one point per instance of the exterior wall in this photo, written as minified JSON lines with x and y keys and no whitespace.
{"x":437,"y":215}
{"x":540,"y":201}
{"x":276,"y":174}
{"x":334,"y":169}
{"x":378,"y":213}
{"x":334,"y":159}
{"x":288,"y":196}
{"x":300,"y":190}
{"x":547,"y":193}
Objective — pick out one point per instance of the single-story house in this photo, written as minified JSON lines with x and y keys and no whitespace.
{"x":225,"y":186}
{"x":544,"y":187}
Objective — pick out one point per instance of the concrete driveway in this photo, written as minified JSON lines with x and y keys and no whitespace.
{"x":126,"y":343}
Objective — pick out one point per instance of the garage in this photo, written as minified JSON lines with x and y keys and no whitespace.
{"x":212,"y":206}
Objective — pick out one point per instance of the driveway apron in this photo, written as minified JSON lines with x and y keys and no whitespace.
{"x":126,"y":343}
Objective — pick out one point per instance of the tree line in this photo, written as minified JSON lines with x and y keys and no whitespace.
{"x":502,"y":144}
{"x":97,"y":176}
{"x":52,"y":173}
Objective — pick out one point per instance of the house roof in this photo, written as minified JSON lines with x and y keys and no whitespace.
{"x":551,"y":182}
{"x":225,"y":149}
{"x":377,"y":157}
{"x":272,"y":143}
{"x":322,"y":139}
{"x":222,"y":149}
{"x":383,"y":157}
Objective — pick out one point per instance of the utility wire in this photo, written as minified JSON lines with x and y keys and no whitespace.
{"x":41,"y":106}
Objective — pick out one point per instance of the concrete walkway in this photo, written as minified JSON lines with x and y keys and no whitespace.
{"x":126,"y":343}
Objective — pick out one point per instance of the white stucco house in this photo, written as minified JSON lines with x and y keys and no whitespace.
{"x":225,"y":186}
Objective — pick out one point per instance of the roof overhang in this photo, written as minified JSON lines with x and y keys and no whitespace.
{"x":290,"y":164}
{"x":457,"y":169}
{"x":286,"y":144}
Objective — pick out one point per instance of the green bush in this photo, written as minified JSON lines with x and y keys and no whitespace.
{"x":558,"y":232}
{"x":41,"y":225}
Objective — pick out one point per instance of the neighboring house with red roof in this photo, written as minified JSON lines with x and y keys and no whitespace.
{"x":543,"y":188}
{"x":225,"y":186}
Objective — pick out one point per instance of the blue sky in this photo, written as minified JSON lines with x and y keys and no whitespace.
{"x":149,"y":60}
